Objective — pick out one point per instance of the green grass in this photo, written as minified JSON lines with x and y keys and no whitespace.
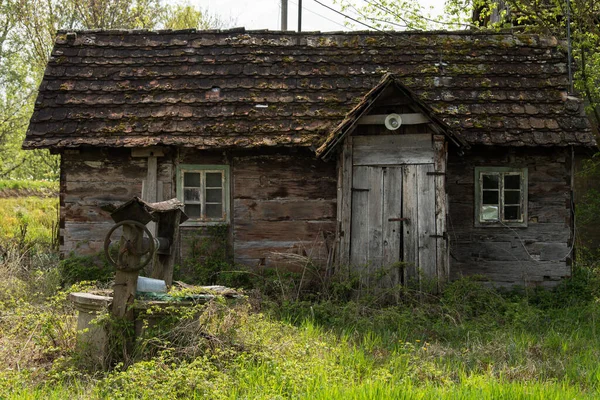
{"x":28,"y":219}
{"x":392,"y":352}
{"x":34,"y":186}
{"x":470,"y":342}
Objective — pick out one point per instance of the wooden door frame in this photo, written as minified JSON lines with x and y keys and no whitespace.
{"x":344,"y":207}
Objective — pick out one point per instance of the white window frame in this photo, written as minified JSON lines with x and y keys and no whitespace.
{"x":501,"y":172}
{"x":203,"y":170}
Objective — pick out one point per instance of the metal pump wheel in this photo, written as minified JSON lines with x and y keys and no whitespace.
{"x":126,"y":247}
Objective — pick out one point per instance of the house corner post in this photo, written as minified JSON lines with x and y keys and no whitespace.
{"x":441,"y":210}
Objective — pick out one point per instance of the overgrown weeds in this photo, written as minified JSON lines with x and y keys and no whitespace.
{"x":471,"y":341}
{"x":304,"y":335}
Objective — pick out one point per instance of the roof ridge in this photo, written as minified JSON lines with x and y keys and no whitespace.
{"x":482,"y":32}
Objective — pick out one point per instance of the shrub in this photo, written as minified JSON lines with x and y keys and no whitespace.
{"x":75,"y":269}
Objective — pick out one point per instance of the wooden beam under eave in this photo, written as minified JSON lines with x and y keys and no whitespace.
{"x":407,"y":119}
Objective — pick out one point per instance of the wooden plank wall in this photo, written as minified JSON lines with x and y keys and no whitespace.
{"x":587,"y":181}
{"x":283,"y":205}
{"x":92,"y":178}
{"x":536,"y":255}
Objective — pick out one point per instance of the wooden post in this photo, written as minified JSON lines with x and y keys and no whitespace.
{"x":345,"y":203}
{"x":441,"y":210}
{"x":150,"y":185}
{"x":168,"y":228}
{"x":149,"y":194}
{"x":126,"y":284}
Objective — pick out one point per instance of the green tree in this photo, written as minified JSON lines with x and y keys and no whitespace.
{"x":184,"y":16}
{"x":27,"y":32}
{"x":542,"y":16}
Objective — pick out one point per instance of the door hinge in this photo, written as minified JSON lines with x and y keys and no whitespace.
{"x":398,"y":219}
{"x":359,"y":190}
{"x":436,"y":173}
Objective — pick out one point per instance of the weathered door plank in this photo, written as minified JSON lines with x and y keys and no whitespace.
{"x":393,"y":149}
{"x":410,"y":226}
{"x":360,"y":218}
{"x":392,"y":226}
{"x":375,"y":224}
{"x":426,"y":220}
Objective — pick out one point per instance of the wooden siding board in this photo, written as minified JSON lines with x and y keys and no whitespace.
{"x":94,"y":178}
{"x":359,"y":255}
{"x":393,"y":149}
{"x":504,"y":254}
{"x":283,"y":230}
{"x":279,"y":200}
{"x":515,"y":273}
{"x":285,"y":210}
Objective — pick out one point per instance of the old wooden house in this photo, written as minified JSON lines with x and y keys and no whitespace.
{"x":401,"y":155}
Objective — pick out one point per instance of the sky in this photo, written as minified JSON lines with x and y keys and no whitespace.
{"x":266,"y":14}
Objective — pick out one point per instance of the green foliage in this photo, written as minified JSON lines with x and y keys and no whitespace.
{"x":503,"y":346}
{"x":37,"y":187}
{"x":209,"y":261}
{"x":290,"y":339}
{"x":547,"y":17}
{"x":74,"y":269}
{"x":185,"y":16}
{"x":27,"y":32}
{"x":28,"y":222}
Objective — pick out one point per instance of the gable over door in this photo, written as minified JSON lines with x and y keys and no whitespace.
{"x":393,"y":220}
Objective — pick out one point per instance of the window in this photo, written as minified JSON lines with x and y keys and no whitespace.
{"x":500,"y":196}
{"x":204,"y":191}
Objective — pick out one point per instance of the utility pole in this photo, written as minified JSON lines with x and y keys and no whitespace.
{"x":284,"y":5}
{"x":299,"y":15}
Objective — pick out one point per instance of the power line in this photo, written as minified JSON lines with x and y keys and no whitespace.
{"x":368,"y":26}
{"x":377,"y":19}
{"x":319,"y":15}
{"x":353,"y":19}
{"x":383,"y":8}
{"x":387,"y":10}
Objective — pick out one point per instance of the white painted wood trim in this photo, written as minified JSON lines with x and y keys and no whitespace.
{"x":407,"y":119}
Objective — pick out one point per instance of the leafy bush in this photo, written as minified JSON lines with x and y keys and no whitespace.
{"x":75,"y":269}
{"x":209,"y":261}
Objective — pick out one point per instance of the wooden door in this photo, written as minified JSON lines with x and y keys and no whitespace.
{"x":393,"y":223}
{"x":376,"y":243}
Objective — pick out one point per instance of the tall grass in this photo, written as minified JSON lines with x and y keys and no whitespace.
{"x":28,"y":220}
{"x":469,"y":342}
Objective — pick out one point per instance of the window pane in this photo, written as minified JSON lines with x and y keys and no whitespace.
{"x":490,"y":197}
{"x":191,"y":195}
{"x":214,"y":195}
{"x":512,"y":197}
{"x":191,"y":179}
{"x":214,"y":211}
{"x":213,"y":179}
{"x":490,"y":181}
{"x":512,"y":212}
{"x":192,"y":210}
{"x":512,"y":181}
{"x":489,"y":213}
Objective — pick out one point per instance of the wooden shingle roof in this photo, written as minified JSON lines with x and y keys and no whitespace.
{"x":224,"y":89}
